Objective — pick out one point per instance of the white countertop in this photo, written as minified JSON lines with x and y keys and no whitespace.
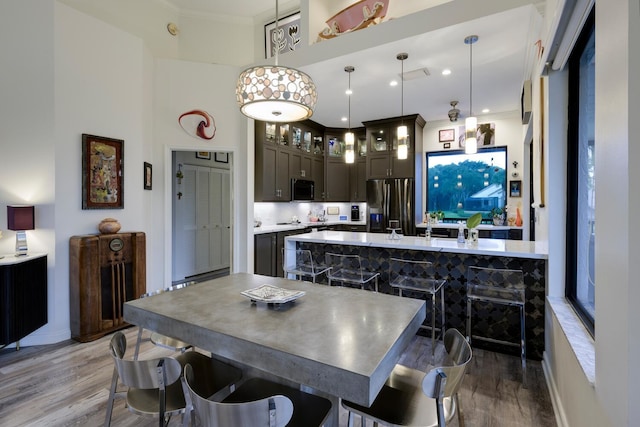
{"x":495,"y":247}
{"x":10,"y":259}
{"x":302,"y":225}
{"x":456,"y":225}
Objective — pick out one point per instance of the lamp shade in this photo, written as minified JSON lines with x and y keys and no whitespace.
{"x":277,"y":94}
{"x":20,"y":217}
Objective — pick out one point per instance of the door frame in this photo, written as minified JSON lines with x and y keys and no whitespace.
{"x":169,"y":200}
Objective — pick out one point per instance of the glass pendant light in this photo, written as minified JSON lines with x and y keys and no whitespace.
{"x":403,"y":149}
{"x":276,"y":94}
{"x":471,"y":123}
{"x":349,"y":138}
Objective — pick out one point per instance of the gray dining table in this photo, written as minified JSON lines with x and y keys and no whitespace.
{"x":339,"y":342}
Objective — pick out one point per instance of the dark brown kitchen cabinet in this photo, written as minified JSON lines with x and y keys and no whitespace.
{"x":382,"y":147}
{"x":268,"y":252}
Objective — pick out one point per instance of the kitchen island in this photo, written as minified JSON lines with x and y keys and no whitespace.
{"x":451,"y":260}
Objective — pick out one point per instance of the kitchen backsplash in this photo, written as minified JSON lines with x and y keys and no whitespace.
{"x":277,"y":213}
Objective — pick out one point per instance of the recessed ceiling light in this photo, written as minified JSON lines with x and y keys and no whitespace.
{"x":446,"y":72}
{"x":393,"y":83}
{"x":486,"y":110}
{"x":344,"y":119}
{"x":348,"y":91}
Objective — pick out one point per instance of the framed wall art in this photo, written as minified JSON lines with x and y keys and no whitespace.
{"x":148,"y":176}
{"x":515,"y":188}
{"x":205,"y":155}
{"x":286,"y":38}
{"x":102,"y":172}
{"x":446,"y":135}
{"x":222,"y":157}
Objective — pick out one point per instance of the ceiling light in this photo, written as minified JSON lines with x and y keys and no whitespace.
{"x":274,"y":93}
{"x":471,"y":123}
{"x":485,"y":110}
{"x":344,"y":119}
{"x":393,"y":83}
{"x":402,"y":129}
{"x":349,"y":139}
{"x":446,"y":72}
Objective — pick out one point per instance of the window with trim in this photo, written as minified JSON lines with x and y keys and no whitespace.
{"x":581,"y":176}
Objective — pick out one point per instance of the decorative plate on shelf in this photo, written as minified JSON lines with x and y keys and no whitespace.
{"x":272,"y":294}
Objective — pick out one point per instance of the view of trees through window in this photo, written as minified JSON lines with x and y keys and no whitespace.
{"x":459,"y":184}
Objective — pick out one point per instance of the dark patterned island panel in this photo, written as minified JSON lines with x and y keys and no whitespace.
{"x":451,"y":261}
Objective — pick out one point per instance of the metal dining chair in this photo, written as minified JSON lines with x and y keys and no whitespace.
{"x":498,"y":286}
{"x":348,"y":269}
{"x":160,"y":340}
{"x":153,"y":386}
{"x":411,"y":397}
{"x":409,"y":276}
{"x":256,"y":402}
{"x":299,"y":262}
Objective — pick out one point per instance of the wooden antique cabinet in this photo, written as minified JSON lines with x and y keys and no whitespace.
{"x":105,"y":271}
{"x":382,"y":145}
{"x":23,"y":296}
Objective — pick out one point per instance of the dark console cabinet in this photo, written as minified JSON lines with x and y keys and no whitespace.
{"x":23,"y":296}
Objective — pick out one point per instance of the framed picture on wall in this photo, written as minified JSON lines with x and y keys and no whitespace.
{"x":205,"y":155}
{"x":148,"y":176}
{"x":222,"y":157}
{"x":515,"y":188}
{"x":446,"y":135}
{"x":102,"y":172}
{"x":285,"y":38}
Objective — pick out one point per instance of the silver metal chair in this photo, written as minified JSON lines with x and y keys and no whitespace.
{"x":418,"y":276}
{"x":152,"y":385}
{"x":300,"y":263}
{"x":257,"y":402}
{"x":498,"y":286}
{"x":348,"y":269}
{"x":159,"y":339}
{"x":411,"y":397}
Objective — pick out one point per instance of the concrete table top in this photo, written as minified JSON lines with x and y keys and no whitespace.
{"x":341,"y":341}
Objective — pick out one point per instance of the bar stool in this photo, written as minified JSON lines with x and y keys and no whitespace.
{"x":348,"y":269}
{"x":300,"y":262}
{"x":498,"y":286}
{"x":417,"y":276}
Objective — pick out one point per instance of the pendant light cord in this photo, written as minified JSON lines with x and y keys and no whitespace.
{"x":471,"y":79}
{"x":349,"y":110}
{"x":277,"y":33}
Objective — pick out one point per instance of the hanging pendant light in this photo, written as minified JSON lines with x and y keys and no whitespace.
{"x":273,"y":93}
{"x":349,"y":138}
{"x":403,"y":149}
{"x":470,"y":123}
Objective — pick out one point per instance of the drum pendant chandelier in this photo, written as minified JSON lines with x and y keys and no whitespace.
{"x":276,"y":94}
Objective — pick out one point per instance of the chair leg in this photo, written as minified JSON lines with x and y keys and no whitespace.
{"x":376,"y":279}
{"x":433,"y":324}
{"x":459,"y":410}
{"x":350,"y":419}
{"x":112,"y":396}
{"x":468,"y":320}
{"x":523,"y":347}
{"x":442,"y":328}
{"x":135,"y":354}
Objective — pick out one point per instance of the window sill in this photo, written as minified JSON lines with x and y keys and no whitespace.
{"x":577,"y":335}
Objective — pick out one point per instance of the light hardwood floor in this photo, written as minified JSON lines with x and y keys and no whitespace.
{"x":66,"y":384}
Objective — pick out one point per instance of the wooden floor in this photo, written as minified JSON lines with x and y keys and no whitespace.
{"x":66,"y":384}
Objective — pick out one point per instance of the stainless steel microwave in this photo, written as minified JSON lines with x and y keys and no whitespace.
{"x":301,"y":190}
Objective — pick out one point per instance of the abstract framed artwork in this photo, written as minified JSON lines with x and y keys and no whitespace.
{"x":222,"y":157}
{"x":148,"y":176}
{"x":102,"y":172}
{"x":285,"y":38}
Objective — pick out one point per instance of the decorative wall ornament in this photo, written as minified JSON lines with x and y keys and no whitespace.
{"x":102,"y":172}
{"x":199,"y":124}
{"x":360,"y":14}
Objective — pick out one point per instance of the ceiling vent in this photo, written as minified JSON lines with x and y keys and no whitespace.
{"x":420,"y":73}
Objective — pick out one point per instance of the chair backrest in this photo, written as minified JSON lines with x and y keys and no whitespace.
{"x":296,"y":259}
{"x":344,"y":267}
{"x":409,"y":268}
{"x":273,"y":411}
{"x":144,"y":374}
{"x":496,"y":284}
{"x":459,"y":354}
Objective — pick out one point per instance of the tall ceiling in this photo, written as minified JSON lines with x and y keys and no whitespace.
{"x":501,"y":62}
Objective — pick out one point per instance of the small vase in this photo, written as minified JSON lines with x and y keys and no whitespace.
{"x":473,"y":236}
{"x":518,"y":218}
{"x":109,"y":226}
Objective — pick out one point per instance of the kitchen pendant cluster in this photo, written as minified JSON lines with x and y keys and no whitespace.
{"x":471,"y":123}
{"x":274,"y":93}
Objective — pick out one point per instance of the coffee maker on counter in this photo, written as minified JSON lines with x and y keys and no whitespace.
{"x":355,"y":213}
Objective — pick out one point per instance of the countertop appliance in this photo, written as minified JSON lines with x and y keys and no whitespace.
{"x":301,"y":190}
{"x":355,"y":213}
{"x":391,"y":199}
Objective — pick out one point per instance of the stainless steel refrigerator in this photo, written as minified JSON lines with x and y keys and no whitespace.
{"x":391,"y":199}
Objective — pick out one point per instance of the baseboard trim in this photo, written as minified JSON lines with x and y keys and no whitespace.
{"x":558,"y":409}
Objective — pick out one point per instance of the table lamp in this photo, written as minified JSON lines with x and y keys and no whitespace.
{"x":19,"y":219}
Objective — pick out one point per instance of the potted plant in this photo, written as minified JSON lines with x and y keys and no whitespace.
{"x":498,"y":215}
{"x":472,"y":222}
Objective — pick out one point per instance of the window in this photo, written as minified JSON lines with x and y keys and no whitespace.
{"x":460,"y":184}
{"x":580,"y":290}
